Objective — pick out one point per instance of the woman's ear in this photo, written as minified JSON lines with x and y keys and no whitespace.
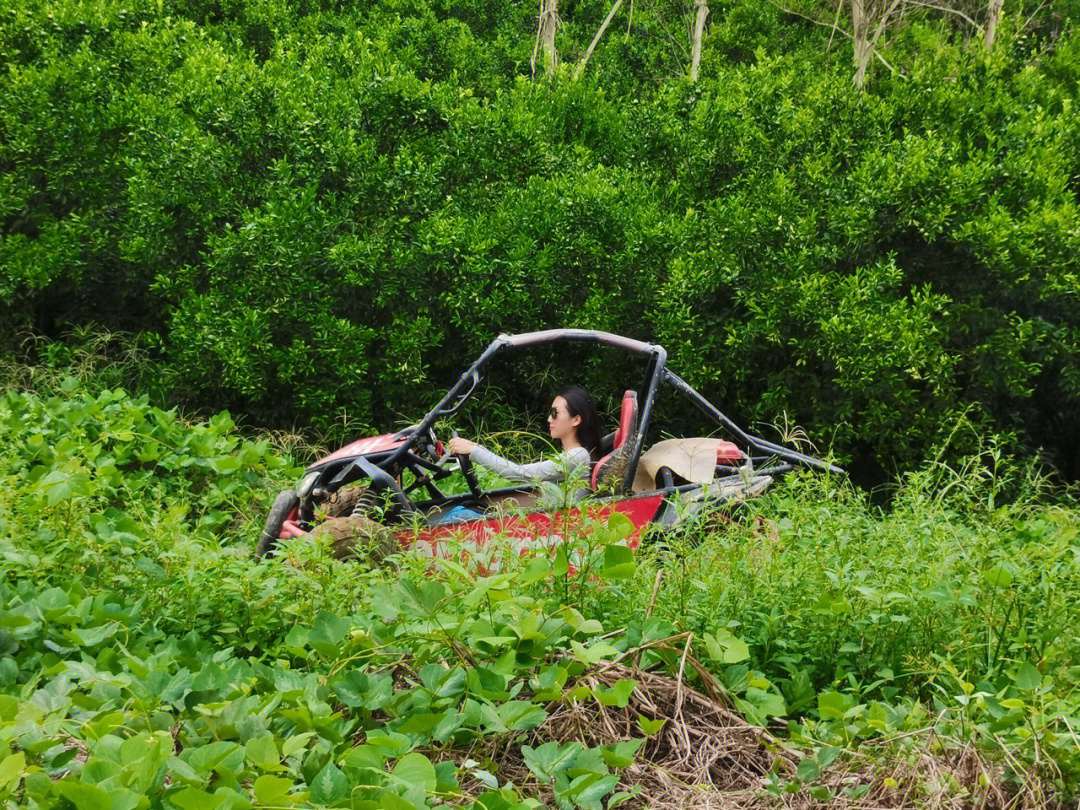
{"x":575,"y":421}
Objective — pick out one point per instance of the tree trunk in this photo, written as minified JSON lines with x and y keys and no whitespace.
{"x":993,"y":17}
{"x":701,"y":8}
{"x":862,"y":17}
{"x":860,"y":35}
{"x":545,"y":36}
{"x":596,"y":39}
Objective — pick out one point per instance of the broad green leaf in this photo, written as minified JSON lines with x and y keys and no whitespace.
{"x":595,"y":788}
{"x":596,"y":651}
{"x":295,"y":744}
{"x":618,"y":563}
{"x":90,"y":636}
{"x":536,"y":569}
{"x":350,"y":688}
{"x":590,"y":760}
{"x":11,"y":769}
{"x":330,"y":627}
{"x":618,"y":695}
{"x":1027,"y":677}
{"x":415,"y":770}
{"x":84,"y":796}
{"x":808,"y":770}
{"x":561,"y":566}
{"x":421,"y":722}
{"x":226,"y":464}
{"x":724,"y":648}
{"x":650,"y":726}
{"x":364,"y":757}
{"x":263,"y":752}
{"x":194,"y":799}
{"x":619,"y":527}
{"x":520,"y":715}
{"x":494,"y":800}
{"x":550,"y":758}
{"x":833,"y":705}
{"x":622,"y":797}
{"x":328,"y":633}
{"x":388,"y":800}
{"x":998,"y":576}
{"x":768,"y":703}
{"x":621,"y":755}
{"x":271,"y":789}
{"x":737,"y":650}
{"x":329,"y":785}
{"x":52,"y":599}
{"x":215,"y":756}
{"x":485,"y":587}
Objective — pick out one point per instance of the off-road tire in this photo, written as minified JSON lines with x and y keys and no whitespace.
{"x":352,"y":538}
{"x":342,"y":502}
{"x":285,"y":502}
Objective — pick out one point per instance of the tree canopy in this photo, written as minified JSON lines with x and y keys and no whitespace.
{"x":302,"y":207}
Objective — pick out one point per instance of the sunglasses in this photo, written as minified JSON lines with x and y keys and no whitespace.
{"x":555,"y":412}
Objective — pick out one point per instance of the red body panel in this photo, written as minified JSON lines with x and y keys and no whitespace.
{"x":363,"y":447}
{"x":537,"y":530}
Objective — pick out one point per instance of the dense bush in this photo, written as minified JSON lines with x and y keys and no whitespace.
{"x":305,"y":208}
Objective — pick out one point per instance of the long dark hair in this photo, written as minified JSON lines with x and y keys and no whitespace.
{"x":579,"y":402}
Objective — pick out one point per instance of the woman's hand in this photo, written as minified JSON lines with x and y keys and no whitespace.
{"x":461,"y":447}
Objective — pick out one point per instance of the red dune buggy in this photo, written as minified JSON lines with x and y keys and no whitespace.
{"x":382,"y":493}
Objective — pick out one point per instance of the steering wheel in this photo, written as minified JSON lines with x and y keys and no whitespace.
{"x":466,"y":466}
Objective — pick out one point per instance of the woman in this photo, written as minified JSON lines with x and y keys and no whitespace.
{"x":574,"y":422}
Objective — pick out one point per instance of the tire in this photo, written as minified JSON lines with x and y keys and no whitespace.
{"x":342,"y":502}
{"x":352,"y":538}
{"x":283,"y":506}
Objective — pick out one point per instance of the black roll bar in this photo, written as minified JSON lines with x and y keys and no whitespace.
{"x":755,"y":442}
{"x":460,"y":392}
{"x":656,"y":372}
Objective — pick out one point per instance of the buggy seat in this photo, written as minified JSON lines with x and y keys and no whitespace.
{"x":612,"y":467}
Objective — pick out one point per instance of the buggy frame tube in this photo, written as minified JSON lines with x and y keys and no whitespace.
{"x":466,"y":384}
{"x":527,"y":339}
{"x":463,"y":389}
{"x":654,"y":373}
{"x":756,"y":442}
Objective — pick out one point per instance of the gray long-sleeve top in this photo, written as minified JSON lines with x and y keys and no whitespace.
{"x":550,"y":471}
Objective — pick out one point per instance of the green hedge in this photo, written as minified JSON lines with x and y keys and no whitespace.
{"x":306,"y":208}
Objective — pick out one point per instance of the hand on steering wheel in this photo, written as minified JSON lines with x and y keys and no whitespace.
{"x":466,"y":466}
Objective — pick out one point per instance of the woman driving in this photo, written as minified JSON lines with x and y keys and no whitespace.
{"x":573,"y":421}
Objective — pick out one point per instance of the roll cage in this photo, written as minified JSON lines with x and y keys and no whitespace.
{"x":656,"y":373}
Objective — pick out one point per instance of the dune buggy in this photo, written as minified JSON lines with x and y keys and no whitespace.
{"x":382,"y":493}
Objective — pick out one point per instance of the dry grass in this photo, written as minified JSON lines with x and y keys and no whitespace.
{"x":708,"y":756}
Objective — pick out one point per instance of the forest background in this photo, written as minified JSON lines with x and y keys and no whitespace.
{"x":861,"y":218}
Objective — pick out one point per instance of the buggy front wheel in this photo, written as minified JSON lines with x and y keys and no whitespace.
{"x":285,"y":505}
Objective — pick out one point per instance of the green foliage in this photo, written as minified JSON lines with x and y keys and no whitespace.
{"x":144,"y":657}
{"x":145,"y":661}
{"x":176,"y":721}
{"x":306,"y":208}
{"x":949,"y":610}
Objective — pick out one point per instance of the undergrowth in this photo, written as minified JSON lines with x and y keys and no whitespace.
{"x":149,"y":662}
